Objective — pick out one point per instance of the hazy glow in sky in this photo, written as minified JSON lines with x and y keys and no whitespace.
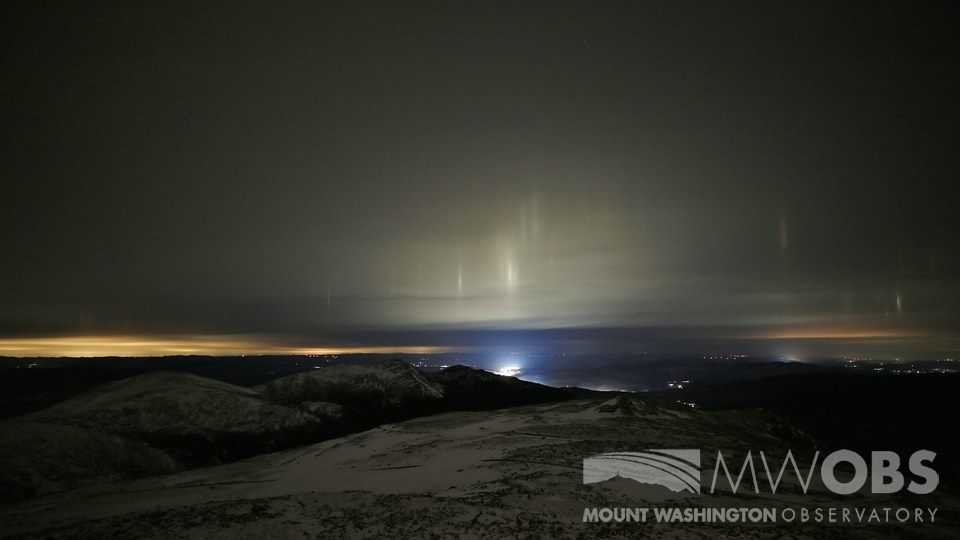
{"x":139,"y":346}
{"x":196,"y":171}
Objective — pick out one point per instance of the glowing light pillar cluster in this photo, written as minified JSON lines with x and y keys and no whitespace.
{"x":510,"y":272}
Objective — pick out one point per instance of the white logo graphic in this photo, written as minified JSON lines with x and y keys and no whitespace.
{"x":679,"y":471}
{"x":676,"y":470}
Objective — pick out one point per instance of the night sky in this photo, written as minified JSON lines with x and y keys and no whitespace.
{"x":603,"y":176}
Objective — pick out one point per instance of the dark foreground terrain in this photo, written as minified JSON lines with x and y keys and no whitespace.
{"x":512,"y":473}
{"x":386,"y":451}
{"x":161,"y":422}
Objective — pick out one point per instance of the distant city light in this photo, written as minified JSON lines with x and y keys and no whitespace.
{"x":508,"y":371}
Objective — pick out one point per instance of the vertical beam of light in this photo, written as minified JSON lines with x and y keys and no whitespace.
{"x":511,"y":274}
{"x":535,"y":216}
{"x":784,"y":236}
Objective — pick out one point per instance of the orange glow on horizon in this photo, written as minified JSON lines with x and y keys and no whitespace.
{"x":838,"y":332}
{"x":141,"y":346}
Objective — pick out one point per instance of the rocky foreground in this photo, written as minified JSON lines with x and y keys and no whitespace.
{"x":164,"y":422}
{"x":510,"y":473}
{"x":379,"y":451}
